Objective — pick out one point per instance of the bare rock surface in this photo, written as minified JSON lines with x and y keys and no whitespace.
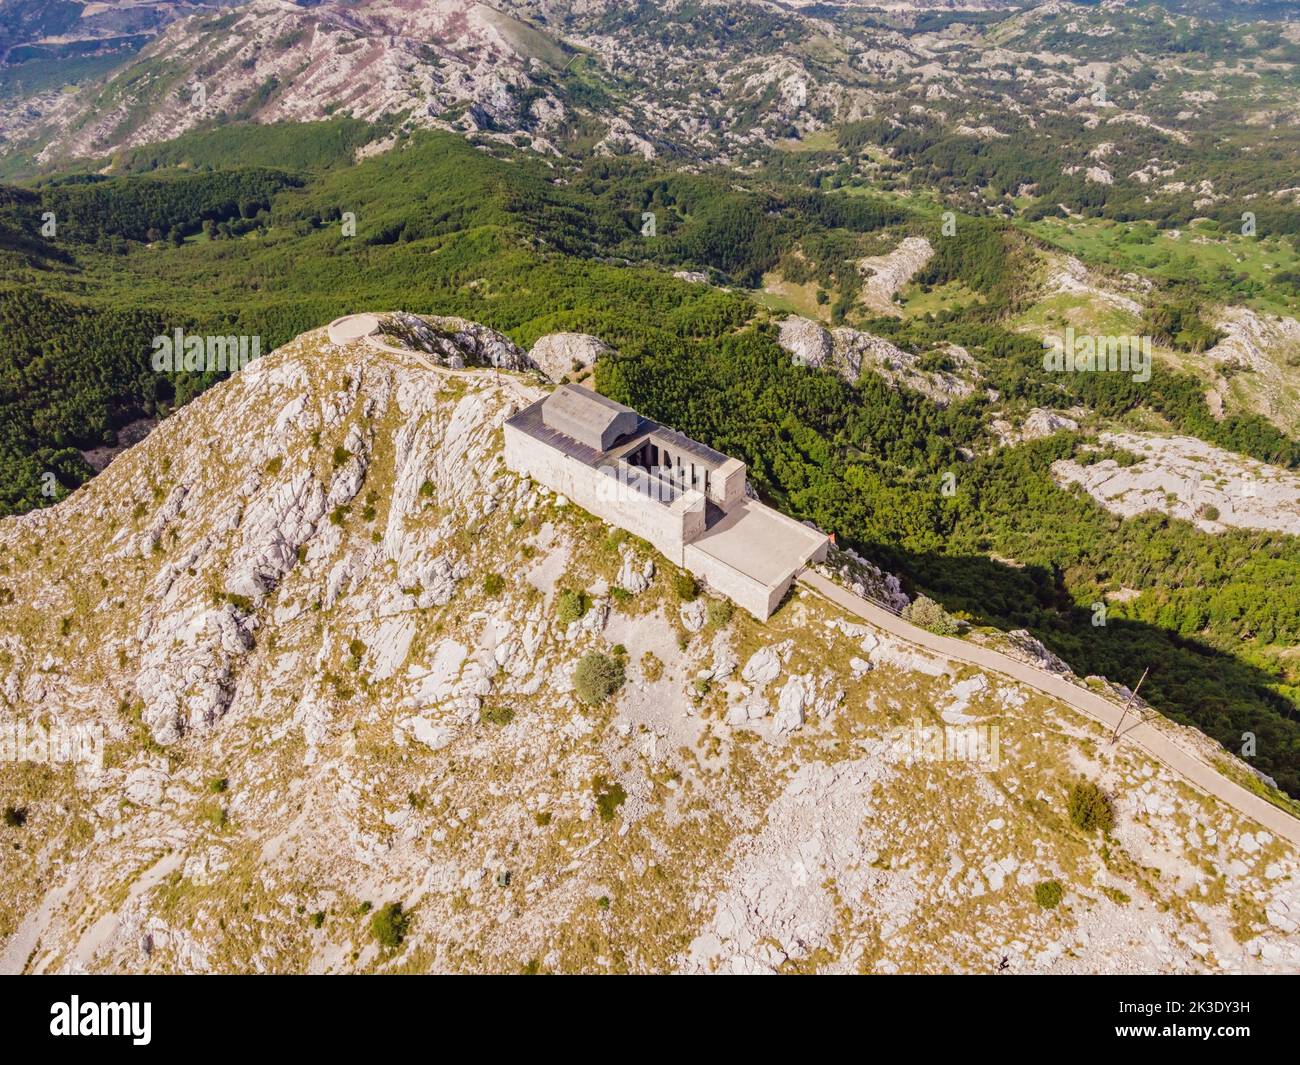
{"x":1189,"y":479}
{"x":851,"y":352}
{"x":886,"y":274}
{"x":561,"y":355}
{"x":314,"y":619}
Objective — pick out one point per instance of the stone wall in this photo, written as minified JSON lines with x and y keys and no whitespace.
{"x":728,"y":483}
{"x":600,"y":494}
{"x":743,"y":590}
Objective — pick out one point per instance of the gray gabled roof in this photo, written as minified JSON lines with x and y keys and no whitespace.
{"x":585,"y":405}
{"x":586,"y":416}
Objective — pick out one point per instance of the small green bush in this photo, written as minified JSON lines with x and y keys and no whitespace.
{"x":356,"y":651}
{"x":570,"y":606}
{"x":928,"y":614}
{"x":597,"y":677}
{"x":389,"y":925}
{"x":498,"y":714}
{"x":686,"y":587}
{"x":242,"y":603}
{"x":15,"y":816}
{"x":317,"y":919}
{"x":651,"y":666}
{"x":493,"y":585}
{"x":609,"y":797}
{"x":1090,"y":809}
{"x":1048,"y":894}
{"x":719,"y":612}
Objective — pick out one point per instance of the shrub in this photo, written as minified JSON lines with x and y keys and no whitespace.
{"x":686,"y":587}
{"x":719,"y":612}
{"x":928,"y":614}
{"x":215,"y":814}
{"x":389,"y":925}
{"x":317,"y":918}
{"x":597,"y":677}
{"x":609,"y":797}
{"x":217,"y":785}
{"x":498,"y":714}
{"x":1048,"y":894}
{"x":341,"y":455}
{"x":356,"y":651}
{"x":651,"y":667}
{"x":426,"y":489}
{"x":15,"y":816}
{"x":242,"y":603}
{"x":494,"y":584}
{"x":1090,"y":809}
{"x":570,"y":606}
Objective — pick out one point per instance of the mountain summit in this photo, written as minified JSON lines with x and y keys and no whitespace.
{"x":357,"y":697}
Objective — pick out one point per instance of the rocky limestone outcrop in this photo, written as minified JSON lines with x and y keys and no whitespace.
{"x":850,"y":352}
{"x":561,"y":355}
{"x":454,"y":342}
{"x":1189,"y":479}
{"x":1070,"y":277}
{"x":1038,"y":424}
{"x":885,"y":275}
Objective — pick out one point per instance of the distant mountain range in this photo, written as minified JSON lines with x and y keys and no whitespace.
{"x":712,"y":81}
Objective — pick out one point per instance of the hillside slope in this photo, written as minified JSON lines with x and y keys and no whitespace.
{"x":320,"y":624}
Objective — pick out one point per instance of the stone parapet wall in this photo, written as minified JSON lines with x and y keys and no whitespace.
{"x":599,"y":493}
{"x":746,"y":592}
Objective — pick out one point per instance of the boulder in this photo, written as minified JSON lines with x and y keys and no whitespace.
{"x":763,"y":666}
{"x":560,"y":355}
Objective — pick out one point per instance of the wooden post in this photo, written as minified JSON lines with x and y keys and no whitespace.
{"x":1115,"y":735}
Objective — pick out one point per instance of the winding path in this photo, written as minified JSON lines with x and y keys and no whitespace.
{"x":1144,"y":733}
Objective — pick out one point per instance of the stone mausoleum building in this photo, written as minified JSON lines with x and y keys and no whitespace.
{"x":685,"y":498}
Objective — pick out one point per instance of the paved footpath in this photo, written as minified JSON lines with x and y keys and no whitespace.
{"x":1143,"y":733}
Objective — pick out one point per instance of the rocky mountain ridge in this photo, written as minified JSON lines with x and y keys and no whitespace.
{"x":716,"y":82}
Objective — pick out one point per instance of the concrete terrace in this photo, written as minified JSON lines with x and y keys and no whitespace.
{"x":759,"y":541}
